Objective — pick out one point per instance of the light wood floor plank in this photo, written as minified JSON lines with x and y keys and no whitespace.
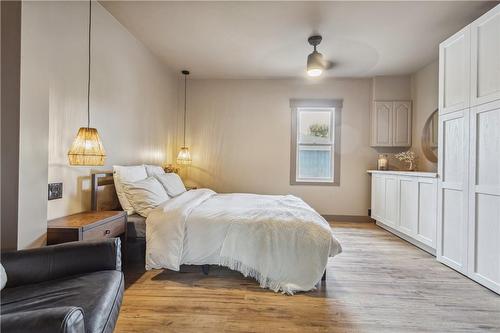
{"x":380,"y":283}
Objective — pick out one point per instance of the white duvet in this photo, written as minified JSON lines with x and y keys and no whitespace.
{"x":278,"y":240}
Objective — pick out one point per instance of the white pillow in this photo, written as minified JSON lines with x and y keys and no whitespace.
{"x":3,"y":276}
{"x":172,"y":184}
{"x":154,"y":170}
{"x":127,"y":174}
{"x":145,"y":195}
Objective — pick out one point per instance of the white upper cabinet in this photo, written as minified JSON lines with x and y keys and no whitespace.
{"x":485,"y":58}
{"x":391,"y":124}
{"x":454,"y":72}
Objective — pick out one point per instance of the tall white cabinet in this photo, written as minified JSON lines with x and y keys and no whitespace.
{"x":468,"y":233}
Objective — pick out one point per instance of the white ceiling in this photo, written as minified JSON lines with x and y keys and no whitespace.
{"x":269,"y":39}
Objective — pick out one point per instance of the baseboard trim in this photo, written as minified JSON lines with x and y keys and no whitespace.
{"x":348,"y":218}
{"x":415,"y":242}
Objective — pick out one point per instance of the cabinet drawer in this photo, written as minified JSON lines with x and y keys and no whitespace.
{"x":107,"y":230}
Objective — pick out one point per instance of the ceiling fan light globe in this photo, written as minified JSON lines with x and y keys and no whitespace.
{"x":314,"y":72}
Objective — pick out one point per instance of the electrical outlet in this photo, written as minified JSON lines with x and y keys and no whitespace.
{"x":55,"y":191}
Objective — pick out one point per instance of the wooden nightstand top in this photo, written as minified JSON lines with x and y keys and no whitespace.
{"x":86,"y":219}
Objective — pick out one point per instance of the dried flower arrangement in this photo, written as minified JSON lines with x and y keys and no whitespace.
{"x":171,"y":169}
{"x":408,"y":157}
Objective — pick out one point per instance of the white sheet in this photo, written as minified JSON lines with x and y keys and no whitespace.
{"x":279,"y":240}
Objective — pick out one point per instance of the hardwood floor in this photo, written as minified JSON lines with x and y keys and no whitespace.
{"x":379,"y":283}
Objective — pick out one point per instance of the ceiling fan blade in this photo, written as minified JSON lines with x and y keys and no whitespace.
{"x":327,"y":64}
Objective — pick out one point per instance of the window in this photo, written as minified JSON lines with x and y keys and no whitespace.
{"x":315,"y":155}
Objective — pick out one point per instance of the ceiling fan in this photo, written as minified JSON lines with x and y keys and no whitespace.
{"x":316,"y":63}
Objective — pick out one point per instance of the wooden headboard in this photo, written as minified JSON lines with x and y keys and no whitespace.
{"x":103,"y":192}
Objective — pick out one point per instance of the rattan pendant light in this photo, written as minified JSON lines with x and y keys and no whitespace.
{"x":184,"y":156}
{"x":87,"y":148}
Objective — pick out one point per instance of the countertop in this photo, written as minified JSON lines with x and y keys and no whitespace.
{"x":406,"y":173}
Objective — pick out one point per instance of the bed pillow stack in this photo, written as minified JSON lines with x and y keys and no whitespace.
{"x":140,"y":188}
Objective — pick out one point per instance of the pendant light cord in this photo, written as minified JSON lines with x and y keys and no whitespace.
{"x":185,"y":107}
{"x":88,"y":80}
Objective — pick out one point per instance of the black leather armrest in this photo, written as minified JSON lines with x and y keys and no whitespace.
{"x":57,"y":261}
{"x":61,"y":319}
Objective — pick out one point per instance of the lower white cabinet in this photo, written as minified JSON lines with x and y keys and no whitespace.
{"x":405,"y":203}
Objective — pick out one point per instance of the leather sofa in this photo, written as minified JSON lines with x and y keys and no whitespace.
{"x":71,"y":287}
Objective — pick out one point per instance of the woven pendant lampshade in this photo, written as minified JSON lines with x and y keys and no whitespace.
{"x":87,"y":148}
{"x":184,"y":156}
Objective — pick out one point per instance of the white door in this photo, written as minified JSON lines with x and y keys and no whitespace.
{"x":378,"y":197}
{"x":382,"y":124}
{"x":484,"y":203}
{"x":391,"y":200}
{"x":402,"y":124}
{"x":454,"y":72}
{"x":485,"y":58}
{"x":427,"y":211}
{"x":452,"y":190}
{"x":408,"y":205}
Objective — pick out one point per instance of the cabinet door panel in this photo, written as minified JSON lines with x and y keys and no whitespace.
{"x":427,"y":211}
{"x":382,"y":124}
{"x":484,"y":198}
{"x":408,"y":205}
{"x":454,"y":72}
{"x":391,"y":200}
{"x":485,"y":58}
{"x":402,"y":124}
{"x":378,"y":197}
{"x":451,"y":244}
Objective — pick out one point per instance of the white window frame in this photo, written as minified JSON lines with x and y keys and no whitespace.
{"x":328,"y":105}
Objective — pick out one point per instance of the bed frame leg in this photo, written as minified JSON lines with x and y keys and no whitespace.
{"x":205,"y":269}
{"x":323,"y":278}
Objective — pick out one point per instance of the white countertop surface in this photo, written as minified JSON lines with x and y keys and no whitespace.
{"x":406,"y":173}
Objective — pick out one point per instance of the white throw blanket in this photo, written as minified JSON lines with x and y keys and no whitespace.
{"x":278,"y":240}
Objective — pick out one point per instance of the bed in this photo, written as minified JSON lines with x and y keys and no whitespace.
{"x":278,"y":240}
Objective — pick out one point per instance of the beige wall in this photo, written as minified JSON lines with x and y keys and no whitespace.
{"x":425,"y":101}
{"x":133,"y":106}
{"x":239,"y":133}
{"x":392,"y":88}
{"x":34,"y":124}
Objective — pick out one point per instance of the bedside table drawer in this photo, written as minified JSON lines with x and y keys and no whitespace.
{"x":107,"y":230}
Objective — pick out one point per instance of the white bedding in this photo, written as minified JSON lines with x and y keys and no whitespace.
{"x":279,"y":240}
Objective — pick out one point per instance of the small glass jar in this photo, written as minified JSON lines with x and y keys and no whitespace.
{"x":382,"y":163}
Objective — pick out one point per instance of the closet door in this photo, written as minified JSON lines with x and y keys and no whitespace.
{"x":408,"y":205}
{"x":453,"y":189}
{"x":382,"y":124}
{"x":402,"y":124}
{"x":391,"y":200}
{"x":427,"y":211}
{"x":378,"y":197}
{"x":454,"y":72}
{"x":485,"y":58}
{"x":484,"y":204}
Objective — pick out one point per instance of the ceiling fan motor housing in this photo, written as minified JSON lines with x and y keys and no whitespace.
{"x":314,"y":40}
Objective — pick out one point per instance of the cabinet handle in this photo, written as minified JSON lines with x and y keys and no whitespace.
{"x":107,"y":232}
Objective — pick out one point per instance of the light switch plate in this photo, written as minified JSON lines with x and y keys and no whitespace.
{"x":55,"y":191}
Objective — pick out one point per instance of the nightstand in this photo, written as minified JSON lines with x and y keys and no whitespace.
{"x":88,"y":226}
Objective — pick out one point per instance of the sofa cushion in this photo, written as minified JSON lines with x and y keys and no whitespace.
{"x":99,"y":294}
